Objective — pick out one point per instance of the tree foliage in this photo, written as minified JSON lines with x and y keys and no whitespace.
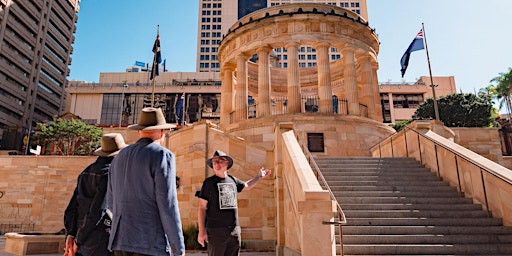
{"x":499,"y":89}
{"x":459,"y":110}
{"x":400,"y":125}
{"x":68,"y":136}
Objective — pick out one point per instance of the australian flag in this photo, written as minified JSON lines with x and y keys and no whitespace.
{"x":157,"y":59}
{"x":179,"y":108}
{"x":417,"y":44}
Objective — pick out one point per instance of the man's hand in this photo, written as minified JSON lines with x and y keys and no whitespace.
{"x":202,"y":237}
{"x":71,"y":247}
{"x":264,"y":172}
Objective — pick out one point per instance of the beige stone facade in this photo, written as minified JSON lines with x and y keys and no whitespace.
{"x":400,"y":100}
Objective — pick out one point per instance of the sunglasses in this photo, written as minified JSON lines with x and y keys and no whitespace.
{"x":219,"y":161}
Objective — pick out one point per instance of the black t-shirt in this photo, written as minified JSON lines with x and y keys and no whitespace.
{"x":222,"y":196}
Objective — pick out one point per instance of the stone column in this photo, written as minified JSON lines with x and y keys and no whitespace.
{"x":368,"y":95}
{"x":293,"y":76}
{"x":376,"y":91}
{"x":349,"y":74}
{"x":324,"y":78}
{"x":263,"y":103}
{"x":226,"y":102}
{"x":240,"y":93}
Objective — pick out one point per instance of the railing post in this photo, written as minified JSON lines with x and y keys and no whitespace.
{"x":419,"y":149}
{"x":437,"y":161}
{"x":405,"y":141}
{"x":458,"y":175}
{"x":489,"y":213}
{"x":392,"y":152}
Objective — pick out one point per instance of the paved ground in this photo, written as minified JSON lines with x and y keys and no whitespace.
{"x":2,"y":253}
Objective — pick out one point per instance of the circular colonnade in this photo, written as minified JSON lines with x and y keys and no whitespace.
{"x":352,"y":77}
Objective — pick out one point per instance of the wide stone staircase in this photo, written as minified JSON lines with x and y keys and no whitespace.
{"x":395,"y":206}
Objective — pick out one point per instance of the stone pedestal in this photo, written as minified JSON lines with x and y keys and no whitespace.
{"x":34,"y":243}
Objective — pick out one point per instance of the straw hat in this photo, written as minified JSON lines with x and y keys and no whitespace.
{"x":219,"y":153}
{"x":111,"y":143}
{"x":151,"y":119}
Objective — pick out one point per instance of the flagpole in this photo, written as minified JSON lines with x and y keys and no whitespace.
{"x":183,"y":110}
{"x":152,"y":71}
{"x":436,"y":110}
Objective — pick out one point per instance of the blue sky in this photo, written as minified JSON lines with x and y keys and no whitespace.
{"x":467,"y":39}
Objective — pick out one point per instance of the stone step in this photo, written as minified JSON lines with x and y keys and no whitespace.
{"x":398,"y":207}
{"x":433,"y":213}
{"x":441,"y":187}
{"x":402,"y":200}
{"x":432,"y":249}
{"x":367,"y":166}
{"x":381,"y":178}
{"x":427,"y":239}
{"x":367,"y":159}
{"x":440,"y":207}
{"x":437,"y":230}
{"x":394,"y":171}
{"x":408,"y":194}
{"x":418,"y":221}
{"x":427,"y":183}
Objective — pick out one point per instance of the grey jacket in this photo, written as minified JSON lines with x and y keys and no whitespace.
{"x":142,"y":197}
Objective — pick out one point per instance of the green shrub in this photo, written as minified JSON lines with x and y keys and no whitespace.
{"x":190,"y":235}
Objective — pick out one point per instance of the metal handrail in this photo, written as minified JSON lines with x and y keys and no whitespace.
{"x":341,"y":215}
{"x":457,"y":155}
{"x":446,"y":148}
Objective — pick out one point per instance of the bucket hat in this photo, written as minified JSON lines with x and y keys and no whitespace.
{"x":151,"y":119}
{"x":111,"y":144}
{"x":219,"y":153}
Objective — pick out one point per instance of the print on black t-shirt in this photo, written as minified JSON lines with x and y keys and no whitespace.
{"x":227,"y":196}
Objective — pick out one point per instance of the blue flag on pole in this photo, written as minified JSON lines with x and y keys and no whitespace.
{"x":179,"y":108}
{"x":155,"y":71}
{"x":416,"y":44}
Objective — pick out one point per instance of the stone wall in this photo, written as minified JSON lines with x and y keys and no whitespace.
{"x":256,"y":207}
{"x":483,"y":141}
{"x":37,"y":189}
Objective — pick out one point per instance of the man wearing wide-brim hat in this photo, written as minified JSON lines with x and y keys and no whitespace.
{"x":85,"y":236}
{"x":142,"y":193}
{"x":218,"y":208}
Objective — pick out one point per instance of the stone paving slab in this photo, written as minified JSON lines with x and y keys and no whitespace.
{"x":192,"y":253}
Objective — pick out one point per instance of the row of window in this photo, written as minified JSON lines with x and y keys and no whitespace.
{"x":207,"y":49}
{"x":213,"y":34}
{"x":219,"y":5}
{"x":209,"y":65}
{"x":343,"y":4}
{"x":208,"y":13}
{"x":211,"y":27}
{"x":207,"y":57}
{"x":214,"y":20}
{"x":207,"y":42}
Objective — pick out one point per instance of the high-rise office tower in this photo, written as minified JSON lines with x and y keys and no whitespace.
{"x":217,"y":16}
{"x":36,"y":38}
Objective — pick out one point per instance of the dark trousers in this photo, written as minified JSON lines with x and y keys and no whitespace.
{"x":123,"y":253}
{"x":96,"y":244}
{"x":225,"y":241}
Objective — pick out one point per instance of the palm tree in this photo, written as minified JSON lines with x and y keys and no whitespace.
{"x":502,"y":86}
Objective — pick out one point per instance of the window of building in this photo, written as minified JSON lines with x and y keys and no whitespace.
{"x":407,"y":100}
{"x":386,"y":111}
